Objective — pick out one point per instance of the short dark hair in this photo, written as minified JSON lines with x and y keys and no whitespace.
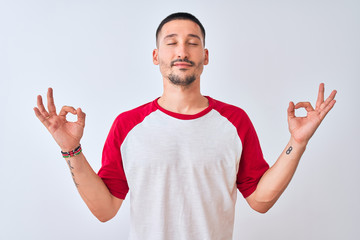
{"x":180,"y":16}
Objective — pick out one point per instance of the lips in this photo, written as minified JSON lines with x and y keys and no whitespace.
{"x":182,"y":64}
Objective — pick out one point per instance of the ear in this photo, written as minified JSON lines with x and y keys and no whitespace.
{"x":206,"y":56}
{"x":156,"y":56}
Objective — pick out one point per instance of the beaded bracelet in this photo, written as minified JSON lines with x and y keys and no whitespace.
{"x":72,"y":153}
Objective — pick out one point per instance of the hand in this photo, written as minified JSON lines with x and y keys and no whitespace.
{"x":302,"y":128}
{"x":66,"y":134}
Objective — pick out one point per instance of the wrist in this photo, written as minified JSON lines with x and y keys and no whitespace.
{"x":296,"y":143}
{"x":69,"y":147}
{"x":76,"y":151}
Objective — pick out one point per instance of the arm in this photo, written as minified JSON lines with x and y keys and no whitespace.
{"x":68,"y":135}
{"x":276,"y":179}
{"x":92,"y":189}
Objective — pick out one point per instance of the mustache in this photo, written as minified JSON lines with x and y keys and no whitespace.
{"x":182,"y":60}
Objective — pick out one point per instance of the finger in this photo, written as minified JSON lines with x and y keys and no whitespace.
{"x":41,"y":107}
{"x":291,"y":110}
{"x":306,"y":105}
{"x":328,"y":100}
{"x":327,"y":109}
{"x":65,"y":110}
{"x":41,"y":117}
{"x":50,"y":102}
{"x":320,"y":98}
{"x":81,"y":117}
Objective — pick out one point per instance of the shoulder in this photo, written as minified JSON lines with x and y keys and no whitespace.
{"x":137,"y":113}
{"x":240,"y":120}
{"x":128,"y":119}
{"x":234,"y":114}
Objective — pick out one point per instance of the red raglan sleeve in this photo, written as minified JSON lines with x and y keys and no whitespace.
{"x":252,"y":163}
{"x":112,"y":171}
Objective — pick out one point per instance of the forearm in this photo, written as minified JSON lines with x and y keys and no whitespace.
{"x":68,"y":135}
{"x":276,"y":179}
{"x":92,"y":189}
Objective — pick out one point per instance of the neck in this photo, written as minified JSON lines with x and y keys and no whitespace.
{"x":183,"y":100}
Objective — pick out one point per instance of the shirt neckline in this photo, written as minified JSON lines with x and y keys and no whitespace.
{"x":186,"y":116}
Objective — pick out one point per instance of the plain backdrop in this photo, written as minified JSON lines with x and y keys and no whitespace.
{"x":97,"y":55}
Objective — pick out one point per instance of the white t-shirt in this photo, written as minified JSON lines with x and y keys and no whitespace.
{"x":182,"y":170}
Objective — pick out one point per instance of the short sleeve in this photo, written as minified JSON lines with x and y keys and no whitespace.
{"x":112,"y":171}
{"x":252,"y":163}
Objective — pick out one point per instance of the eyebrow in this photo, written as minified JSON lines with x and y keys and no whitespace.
{"x":175,"y":35}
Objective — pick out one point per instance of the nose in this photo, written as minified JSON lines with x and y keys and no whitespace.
{"x":182,"y":51}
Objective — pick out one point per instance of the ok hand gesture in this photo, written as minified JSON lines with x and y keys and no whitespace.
{"x":66,"y":134}
{"x":302,"y":128}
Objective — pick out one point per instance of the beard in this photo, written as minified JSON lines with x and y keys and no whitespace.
{"x":184,"y":82}
{"x":178,"y":81}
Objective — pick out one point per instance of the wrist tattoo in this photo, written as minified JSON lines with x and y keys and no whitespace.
{"x":288,"y":151}
{"x":72,"y":174}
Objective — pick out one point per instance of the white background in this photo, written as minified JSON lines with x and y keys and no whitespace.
{"x":97,"y":55}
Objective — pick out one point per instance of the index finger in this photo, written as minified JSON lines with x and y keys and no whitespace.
{"x":50,"y":102}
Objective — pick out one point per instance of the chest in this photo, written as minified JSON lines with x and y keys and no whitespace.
{"x":162,"y":142}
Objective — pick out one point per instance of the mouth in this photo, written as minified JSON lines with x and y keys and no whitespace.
{"x":182,"y":63}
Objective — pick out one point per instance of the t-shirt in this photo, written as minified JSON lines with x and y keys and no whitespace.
{"x":183,"y":171}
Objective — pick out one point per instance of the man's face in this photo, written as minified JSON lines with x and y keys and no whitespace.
{"x":180,"y":53}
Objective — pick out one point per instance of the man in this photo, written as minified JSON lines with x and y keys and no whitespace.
{"x":182,"y":156}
